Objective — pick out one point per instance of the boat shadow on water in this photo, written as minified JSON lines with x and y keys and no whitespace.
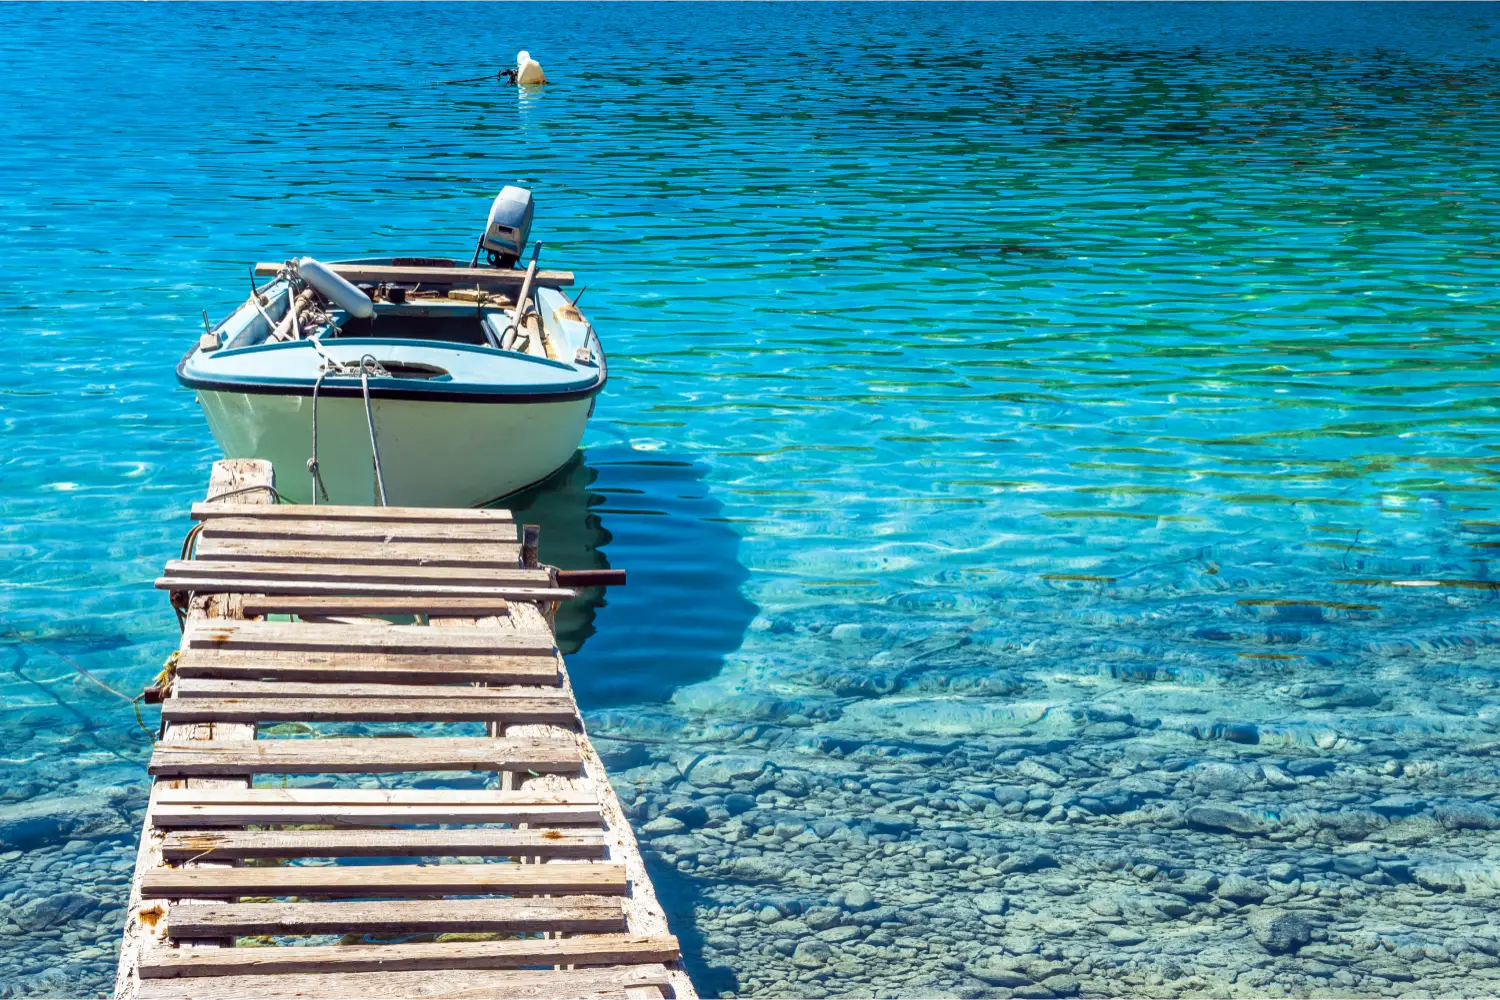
{"x":682,"y":611}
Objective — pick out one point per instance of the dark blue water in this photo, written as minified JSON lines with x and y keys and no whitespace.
{"x":1036,"y":431}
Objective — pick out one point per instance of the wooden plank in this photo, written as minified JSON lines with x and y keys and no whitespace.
{"x":482,"y":555}
{"x":179,"y":816}
{"x":339,"y":666}
{"x":347,"y":573}
{"x":468,"y":277}
{"x":317,"y":986}
{"x":389,"y":880}
{"x":312,"y":512}
{"x":246,"y":584}
{"x":343,"y":807}
{"x":424,"y":639}
{"x":597,"y":983}
{"x":367,"y":755}
{"x":482,"y":532}
{"x":289,"y":604}
{"x":575,"y":914}
{"x":315,"y":795}
{"x":199,"y":687}
{"x":591,"y":949}
{"x":556,"y":708}
{"x":197,"y":845}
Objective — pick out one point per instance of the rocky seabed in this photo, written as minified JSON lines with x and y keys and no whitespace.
{"x":987,"y":806}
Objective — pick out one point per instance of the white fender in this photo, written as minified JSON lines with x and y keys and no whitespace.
{"x":344,"y":295}
{"x":528,"y":70}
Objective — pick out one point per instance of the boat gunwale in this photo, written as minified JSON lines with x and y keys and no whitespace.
{"x":382,"y":389}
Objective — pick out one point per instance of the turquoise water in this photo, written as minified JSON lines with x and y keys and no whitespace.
{"x":1020,"y":418}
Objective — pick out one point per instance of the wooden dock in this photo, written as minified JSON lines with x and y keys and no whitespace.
{"x":495,"y":862}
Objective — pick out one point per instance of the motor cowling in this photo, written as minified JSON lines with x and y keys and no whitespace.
{"x":509,"y":226}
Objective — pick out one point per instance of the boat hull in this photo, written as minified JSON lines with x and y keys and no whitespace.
{"x":433,"y":453}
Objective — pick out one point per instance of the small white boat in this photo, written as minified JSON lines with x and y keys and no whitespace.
{"x":410,"y":381}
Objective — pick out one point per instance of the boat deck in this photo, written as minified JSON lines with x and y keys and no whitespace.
{"x":313,"y":832}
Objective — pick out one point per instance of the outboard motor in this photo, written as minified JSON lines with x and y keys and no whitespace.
{"x":509,"y":226}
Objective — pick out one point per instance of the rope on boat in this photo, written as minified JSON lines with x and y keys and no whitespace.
{"x":312,"y":463}
{"x":368,"y":364}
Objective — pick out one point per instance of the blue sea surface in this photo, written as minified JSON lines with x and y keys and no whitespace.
{"x":1053,"y":449}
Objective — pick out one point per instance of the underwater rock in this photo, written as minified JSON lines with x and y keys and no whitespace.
{"x":1240,"y":889}
{"x":664,"y":825}
{"x":1037,"y":771}
{"x":1027,"y":861}
{"x":47,"y":911}
{"x":1216,"y":776}
{"x":1064,"y":985}
{"x":1354,"y":865}
{"x":757,"y":868}
{"x":726,"y":769}
{"x":992,"y":903}
{"x":1467,"y":816}
{"x":857,"y":897}
{"x":1438,"y":878}
{"x":1225,"y":818}
{"x":993,"y":970}
{"x":1279,"y":931}
{"x":1335,"y":696}
{"x":811,"y":954}
{"x":27,"y":825}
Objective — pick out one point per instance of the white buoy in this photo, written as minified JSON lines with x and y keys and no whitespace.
{"x":528,"y":70}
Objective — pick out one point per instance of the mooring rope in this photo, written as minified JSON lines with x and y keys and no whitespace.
{"x":312,"y":463}
{"x":368,"y":364}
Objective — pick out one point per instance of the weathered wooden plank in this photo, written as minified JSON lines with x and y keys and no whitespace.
{"x":328,"y":588}
{"x":597,"y":983}
{"x":480,"y":532}
{"x":556,"y":708}
{"x":367,"y":755}
{"x":334,"y":588}
{"x":417,"y":604}
{"x":425,"y":639}
{"x":589,"y":949}
{"x":176,"y":808}
{"x":488,"y":555}
{"x":313,"y":512}
{"x":173,"y":815}
{"x":388,"y":880}
{"x":210,"y":687}
{"x":468,"y":277}
{"x":575,"y":914}
{"x":348,"y":573}
{"x":315,"y":986}
{"x":537,"y":667}
{"x":313,"y":795}
{"x":540,"y":667}
{"x":534,"y":842}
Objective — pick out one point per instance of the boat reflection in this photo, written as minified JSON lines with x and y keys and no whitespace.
{"x":682,"y":611}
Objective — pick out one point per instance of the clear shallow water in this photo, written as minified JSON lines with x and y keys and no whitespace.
{"x":1019,"y":414}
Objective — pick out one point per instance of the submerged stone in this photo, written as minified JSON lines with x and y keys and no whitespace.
{"x":1225,"y":818}
{"x":1280,"y":931}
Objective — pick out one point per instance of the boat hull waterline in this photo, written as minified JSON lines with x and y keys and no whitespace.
{"x":432,"y":453}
